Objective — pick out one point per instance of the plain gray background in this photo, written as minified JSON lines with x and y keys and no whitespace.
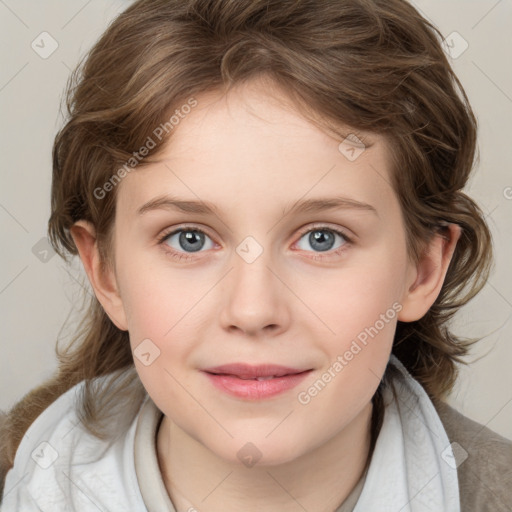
{"x":38,"y":291}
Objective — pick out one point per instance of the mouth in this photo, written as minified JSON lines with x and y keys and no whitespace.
{"x":255,"y":382}
{"x":250,"y":372}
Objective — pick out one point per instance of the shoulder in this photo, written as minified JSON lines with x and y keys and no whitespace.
{"x":60,"y":463}
{"x":44,"y":443}
{"x":483,"y":459}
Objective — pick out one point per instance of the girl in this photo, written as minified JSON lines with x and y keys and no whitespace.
{"x":298,"y":357}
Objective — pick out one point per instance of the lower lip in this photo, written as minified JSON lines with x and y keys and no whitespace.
{"x":255,"y":389}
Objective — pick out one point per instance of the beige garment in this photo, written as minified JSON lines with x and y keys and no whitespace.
{"x":484,"y":461}
{"x":150,"y":480}
{"x":151,"y":484}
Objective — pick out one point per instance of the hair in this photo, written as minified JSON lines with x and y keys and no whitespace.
{"x":373,"y":65}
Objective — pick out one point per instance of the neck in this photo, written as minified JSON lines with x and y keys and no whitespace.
{"x":318,"y":481}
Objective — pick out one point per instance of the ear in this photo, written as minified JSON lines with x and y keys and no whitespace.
{"x":103,"y":281}
{"x":427,"y":277}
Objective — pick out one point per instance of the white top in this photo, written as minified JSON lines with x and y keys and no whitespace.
{"x":59,"y":463}
{"x":152,"y":487}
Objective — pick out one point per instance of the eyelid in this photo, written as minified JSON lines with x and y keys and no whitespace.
{"x":186,"y":227}
{"x":326,"y":226}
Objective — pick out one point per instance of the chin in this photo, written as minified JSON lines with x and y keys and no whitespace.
{"x":258,"y":451}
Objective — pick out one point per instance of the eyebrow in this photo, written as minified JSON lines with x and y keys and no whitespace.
{"x":167,"y":202}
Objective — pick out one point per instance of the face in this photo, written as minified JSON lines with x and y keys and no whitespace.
{"x":260,"y":280}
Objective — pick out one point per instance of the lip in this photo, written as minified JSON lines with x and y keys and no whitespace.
{"x":240,"y":379}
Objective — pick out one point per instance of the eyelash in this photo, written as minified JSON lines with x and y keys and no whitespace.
{"x":183,"y":255}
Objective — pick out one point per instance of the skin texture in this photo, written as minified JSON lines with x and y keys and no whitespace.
{"x":253,"y":155}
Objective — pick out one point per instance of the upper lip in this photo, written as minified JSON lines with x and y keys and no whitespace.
{"x":248,"y":371}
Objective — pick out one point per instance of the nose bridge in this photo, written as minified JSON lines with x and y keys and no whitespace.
{"x":252,"y":278}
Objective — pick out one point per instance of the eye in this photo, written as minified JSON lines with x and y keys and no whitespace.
{"x":185,"y":240}
{"x":182,"y":242}
{"x":323,"y":239}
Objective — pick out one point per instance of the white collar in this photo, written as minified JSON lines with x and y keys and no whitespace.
{"x":410,"y":469}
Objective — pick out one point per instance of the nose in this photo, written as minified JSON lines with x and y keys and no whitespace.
{"x":255,"y":298}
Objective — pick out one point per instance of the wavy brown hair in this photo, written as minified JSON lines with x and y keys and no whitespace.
{"x":373,"y":65}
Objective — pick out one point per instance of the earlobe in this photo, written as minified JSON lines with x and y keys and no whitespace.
{"x":103,"y":282}
{"x":429,"y":275}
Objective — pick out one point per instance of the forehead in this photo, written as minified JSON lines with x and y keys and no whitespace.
{"x":259,"y":108}
{"x":252,"y":147}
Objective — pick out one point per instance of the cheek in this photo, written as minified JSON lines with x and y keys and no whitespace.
{"x":161,"y":343}
{"x":359,"y":309}
{"x":356,"y":360}
{"x":354,"y":298}
{"x":158,"y":300}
